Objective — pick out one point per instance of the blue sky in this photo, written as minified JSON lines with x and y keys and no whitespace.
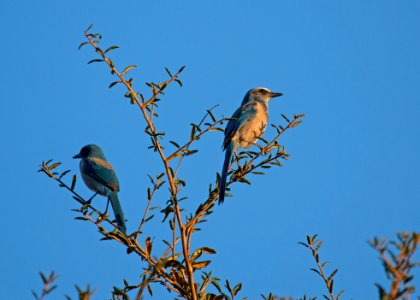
{"x":351,"y":67}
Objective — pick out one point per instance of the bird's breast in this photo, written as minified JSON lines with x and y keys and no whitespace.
{"x":249,"y":132}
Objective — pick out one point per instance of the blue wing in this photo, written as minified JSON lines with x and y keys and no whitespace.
{"x":241,"y":116}
{"x":101,"y":171}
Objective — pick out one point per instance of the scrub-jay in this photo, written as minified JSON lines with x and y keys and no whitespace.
{"x":247,"y":124}
{"x":99,"y":176}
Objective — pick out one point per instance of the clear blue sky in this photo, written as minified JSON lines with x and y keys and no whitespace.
{"x":353,"y":67}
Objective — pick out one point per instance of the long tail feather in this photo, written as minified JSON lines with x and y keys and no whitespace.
{"x":228,"y":158}
{"x":118,"y":212}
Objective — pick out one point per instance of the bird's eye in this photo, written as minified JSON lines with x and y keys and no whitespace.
{"x":262,"y":91}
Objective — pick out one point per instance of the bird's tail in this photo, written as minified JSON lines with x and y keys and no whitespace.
{"x":118,"y":212}
{"x":228,"y":158}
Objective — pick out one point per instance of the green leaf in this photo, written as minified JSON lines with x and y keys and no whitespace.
{"x":111,"y":48}
{"x":95,"y":60}
{"x":228,"y":286}
{"x":332,"y":274}
{"x":318,"y":246}
{"x":217,"y":286}
{"x":197,"y":253}
{"x":179,"y":82}
{"x":216,"y":129}
{"x":149,"y":194}
{"x":83,"y":44}
{"x":181,"y":182}
{"x":201,"y":264}
{"x":73,"y":182}
{"x":53,"y":166}
{"x":257,"y":173}
{"x":190,"y":152}
{"x":63,"y":174}
{"x":208,"y":250}
{"x":90,"y":27}
{"x":43,"y":277}
{"x":193,"y":131}
{"x":244,"y":180}
{"x":114,"y":83}
{"x":284,"y":117}
{"x":330,"y":288}
{"x":236,"y":289}
{"x":211,"y":115}
{"x":174,"y":263}
{"x":175,"y":144}
{"x":303,"y":244}
{"x":128,"y":69}
{"x":408,"y":279}
{"x":149,"y":289}
{"x":149,"y":218}
{"x":316,"y":271}
{"x":149,"y":246}
{"x":169,"y":72}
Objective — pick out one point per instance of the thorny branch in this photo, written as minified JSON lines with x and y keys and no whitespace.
{"x":397,"y":266}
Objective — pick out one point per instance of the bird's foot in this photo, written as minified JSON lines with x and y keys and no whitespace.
{"x":103,"y":216}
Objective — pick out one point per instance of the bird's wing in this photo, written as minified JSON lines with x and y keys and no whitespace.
{"x":241,"y":116}
{"x":101,"y":171}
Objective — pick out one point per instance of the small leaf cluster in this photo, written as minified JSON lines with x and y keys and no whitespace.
{"x":314,"y":245}
{"x":48,"y":285}
{"x":397,"y":259}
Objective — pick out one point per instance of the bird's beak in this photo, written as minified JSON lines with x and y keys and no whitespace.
{"x":273,"y":94}
{"x":77,"y":156}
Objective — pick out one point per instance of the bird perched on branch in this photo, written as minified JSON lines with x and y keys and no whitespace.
{"x":99,"y":176}
{"x":247,"y":124}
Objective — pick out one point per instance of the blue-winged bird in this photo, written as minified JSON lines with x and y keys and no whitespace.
{"x":99,"y":176}
{"x":244,"y":128}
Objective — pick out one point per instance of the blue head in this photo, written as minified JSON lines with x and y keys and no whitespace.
{"x":260,"y":94}
{"x":90,"y":151}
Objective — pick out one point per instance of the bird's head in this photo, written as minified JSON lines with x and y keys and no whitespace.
{"x":90,"y":151}
{"x":260,"y":94}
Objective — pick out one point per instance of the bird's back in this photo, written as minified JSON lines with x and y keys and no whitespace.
{"x":99,"y":175}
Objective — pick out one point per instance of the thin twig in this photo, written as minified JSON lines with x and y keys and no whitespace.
{"x":321,"y":270}
{"x":149,"y":202}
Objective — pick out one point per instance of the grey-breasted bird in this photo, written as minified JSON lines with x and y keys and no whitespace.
{"x":248,"y":123}
{"x":99,"y":176}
